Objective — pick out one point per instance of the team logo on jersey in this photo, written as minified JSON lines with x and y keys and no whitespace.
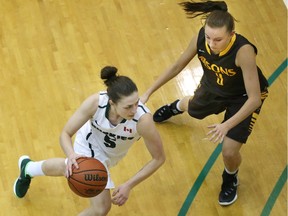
{"x":127,"y":129}
{"x":218,"y":70}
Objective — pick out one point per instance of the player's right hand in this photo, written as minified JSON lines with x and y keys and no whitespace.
{"x":72,"y":161}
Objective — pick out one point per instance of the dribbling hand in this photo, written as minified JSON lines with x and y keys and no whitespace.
{"x":72,"y":161}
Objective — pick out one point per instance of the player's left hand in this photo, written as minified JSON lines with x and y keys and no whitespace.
{"x":120,"y":195}
{"x":217,"y":132}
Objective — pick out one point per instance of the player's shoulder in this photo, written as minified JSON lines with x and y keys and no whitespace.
{"x":142,"y":113}
{"x":142,"y":108}
{"x":91,"y":103}
{"x":145,"y":121}
{"x":94,"y":98}
{"x":98,"y":98}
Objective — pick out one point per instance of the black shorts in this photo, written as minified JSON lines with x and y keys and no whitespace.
{"x":205,"y":103}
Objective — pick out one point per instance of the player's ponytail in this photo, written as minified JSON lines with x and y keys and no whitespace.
{"x":215,"y":13}
{"x":194,"y":9}
{"x":117,"y":85}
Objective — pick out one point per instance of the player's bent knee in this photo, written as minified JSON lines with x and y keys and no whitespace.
{"x":229,"y":155}
{"x":196,"y":115}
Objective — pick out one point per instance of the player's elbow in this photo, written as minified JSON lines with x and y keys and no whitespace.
{"x":254,"y":98}
{"x":256,"y":102}
{"x":161,"y":159}
{"x":259,"y":102}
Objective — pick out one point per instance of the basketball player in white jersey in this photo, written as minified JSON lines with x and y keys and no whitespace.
{"x":106,"y":125}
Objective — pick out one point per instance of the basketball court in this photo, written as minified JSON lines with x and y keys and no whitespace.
{"x":52,"y":52}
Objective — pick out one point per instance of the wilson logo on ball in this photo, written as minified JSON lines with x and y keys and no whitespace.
{"x":91,"y":177}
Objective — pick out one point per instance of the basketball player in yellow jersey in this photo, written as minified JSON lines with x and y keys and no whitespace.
{"x":107,"y":124}
{"x":231,"y":82}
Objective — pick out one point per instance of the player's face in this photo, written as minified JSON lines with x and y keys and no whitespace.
{"x":217,"y":38}
{"x":127,"y":106}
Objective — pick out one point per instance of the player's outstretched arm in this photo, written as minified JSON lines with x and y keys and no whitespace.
{"x":153,"y":142}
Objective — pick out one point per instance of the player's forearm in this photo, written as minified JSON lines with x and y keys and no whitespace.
{"x":66,"y":144}
{"x":163,"y":79}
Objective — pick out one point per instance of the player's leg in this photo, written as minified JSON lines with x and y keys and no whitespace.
{"x":29,"y":169}
{"x":202,"y":104}
{"x":99,"y":205}
{"x":232,"y":144}
{"x":231,"y":154}
{"x":54,"y":167}
{"x":232,"y":160}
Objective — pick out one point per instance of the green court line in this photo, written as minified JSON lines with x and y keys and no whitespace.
{"x":277,"y":72}
{"x":275,"y":193}
{"x":198,"y":182}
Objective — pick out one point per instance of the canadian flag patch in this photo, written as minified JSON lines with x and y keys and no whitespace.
{"x":128,"y":129}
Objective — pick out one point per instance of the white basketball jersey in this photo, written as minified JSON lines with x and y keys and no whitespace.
{"x":104,"y":138}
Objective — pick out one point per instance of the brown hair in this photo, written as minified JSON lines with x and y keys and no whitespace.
{"x":215,"y":13}
{"x":117,"y":86}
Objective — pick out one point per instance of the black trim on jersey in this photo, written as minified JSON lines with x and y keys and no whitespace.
{"x":123,"y":121}
{"x":102,"y":107}
{"x":90,"y":146}
{"x":142,"y":108}
{"x":105,"y":105}
{"x":107,"y":110}
{"x":88,"y":135}
{"x":92,"y":151}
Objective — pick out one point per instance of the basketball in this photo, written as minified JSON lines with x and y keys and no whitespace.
{"x":90,"y":179}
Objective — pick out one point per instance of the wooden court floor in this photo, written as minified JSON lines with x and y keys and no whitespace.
{"x":50,"y":57}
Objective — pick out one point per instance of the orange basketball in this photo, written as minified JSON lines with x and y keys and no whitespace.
{"x":90,"y":179}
